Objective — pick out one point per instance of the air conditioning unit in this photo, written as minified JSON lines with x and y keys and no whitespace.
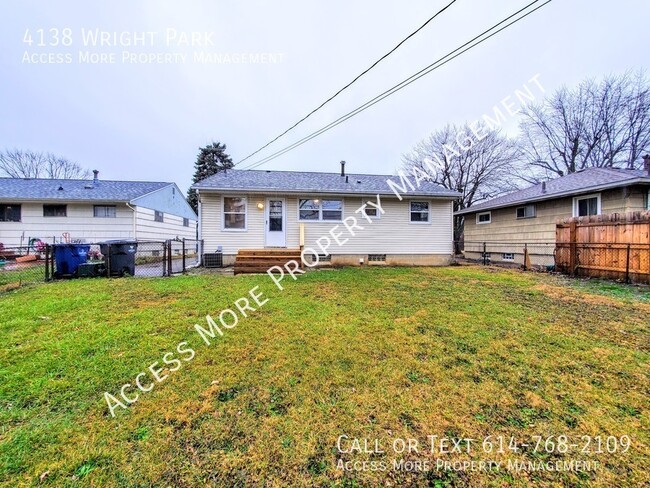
{"x":213,"y":260}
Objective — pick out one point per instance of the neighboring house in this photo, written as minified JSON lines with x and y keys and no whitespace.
{"x":530,"y":215}
{"x":92,"y":210}
{"x":243,"y":210}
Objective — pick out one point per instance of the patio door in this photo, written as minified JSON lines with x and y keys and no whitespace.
{"x":276,"y":225}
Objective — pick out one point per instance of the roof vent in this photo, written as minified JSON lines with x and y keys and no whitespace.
{"x":359,"y":182}
{"x":543,"y":187}
{"x":88,"y":186}
{"x":60,"y":188}
{"x":646,"y":163}
{"x":342,"y":168}
{"x":346,"y":179}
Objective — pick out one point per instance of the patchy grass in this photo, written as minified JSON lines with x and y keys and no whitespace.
{"x":377,"y":353}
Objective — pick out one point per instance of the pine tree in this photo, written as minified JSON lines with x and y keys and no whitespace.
{"x":211,"y":160}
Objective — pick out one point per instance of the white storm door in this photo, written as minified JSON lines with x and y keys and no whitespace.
{"x":276,"y":222}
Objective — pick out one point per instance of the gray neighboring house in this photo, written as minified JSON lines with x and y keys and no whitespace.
{"x":261,"y":210}
{"x":92,"y":210}
{"x":530,"y":215}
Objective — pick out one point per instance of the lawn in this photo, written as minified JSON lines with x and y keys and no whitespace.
{"x":380,"y":354}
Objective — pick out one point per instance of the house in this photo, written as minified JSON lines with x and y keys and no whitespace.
{"x":530,"y":215}
{"x":92,"y":210}
{"x":254,"y":212}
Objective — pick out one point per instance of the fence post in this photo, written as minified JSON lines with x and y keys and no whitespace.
{"x":627,"y":264}
{"x":573,"y":247}
{"x":47,"y":262}
{"x":169,"y":258}
{"x":525,"y":256}
{"x":183,"y":255}
{"x":484,"y":254}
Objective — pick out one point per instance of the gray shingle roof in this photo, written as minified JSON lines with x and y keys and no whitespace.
{"x":82,"y":190}
{"x":588,"y":180}
{"x":312,"y":182}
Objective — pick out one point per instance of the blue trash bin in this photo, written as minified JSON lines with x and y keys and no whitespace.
{"x":68,"y":257}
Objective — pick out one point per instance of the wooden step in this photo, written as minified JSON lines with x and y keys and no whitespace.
{"x":260,"y":260}
{"x":268,"y":252}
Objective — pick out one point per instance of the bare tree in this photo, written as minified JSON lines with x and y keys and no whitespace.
{"x":480,"y":172}
{"x":596,"y":124}
{"x":29,"y":164}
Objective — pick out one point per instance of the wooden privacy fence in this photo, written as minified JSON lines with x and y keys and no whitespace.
{"x":614,"y":246}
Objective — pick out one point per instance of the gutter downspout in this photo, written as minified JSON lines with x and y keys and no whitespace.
{"x":200,"y":231}
{"x":134,"y":221}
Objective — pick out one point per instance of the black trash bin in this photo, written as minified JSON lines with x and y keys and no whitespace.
{"x":120,"y":256}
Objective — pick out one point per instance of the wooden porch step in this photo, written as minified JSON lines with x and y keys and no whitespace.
{"x":260,"y":260}
{"x":268,"y":252}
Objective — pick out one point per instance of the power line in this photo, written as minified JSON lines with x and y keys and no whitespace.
{"x":430,"y":68}
{"x":351,"y":82}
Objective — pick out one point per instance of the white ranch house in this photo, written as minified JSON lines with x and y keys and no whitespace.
{"x":265,"y":213}
{"x":92,"y":210}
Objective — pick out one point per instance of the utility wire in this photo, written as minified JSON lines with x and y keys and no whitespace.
{"x":351,"y":82}
{"x":437,"y":64}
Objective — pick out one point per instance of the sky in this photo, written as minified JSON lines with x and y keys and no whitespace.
{"x":146,"y":120}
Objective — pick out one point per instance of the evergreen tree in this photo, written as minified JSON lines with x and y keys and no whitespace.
{"x":211,"y":160}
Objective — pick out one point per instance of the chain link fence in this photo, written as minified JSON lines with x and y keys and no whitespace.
{"x":143,"y":259}
{"x":538,"y":256}
{"x":21,"y":265}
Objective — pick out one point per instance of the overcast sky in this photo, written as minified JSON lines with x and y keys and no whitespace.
{"x":147,"y":121}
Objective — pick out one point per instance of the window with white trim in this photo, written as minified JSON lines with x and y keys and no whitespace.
{"x":108,"y":211}
{"x":234,"y":213}
{"x":186,"y":222}
{"x":526,"y":212}
{"x":586,"y":205}
{"x":508,"y":256}
{"x":484,"y":218}
{"x":419,"y":212}
{"x":158,"y":216}
{"x":320,"y":210}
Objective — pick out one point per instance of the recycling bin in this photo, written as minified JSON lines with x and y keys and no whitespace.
{"x":120,"y":256}
{"x":68,"y":257}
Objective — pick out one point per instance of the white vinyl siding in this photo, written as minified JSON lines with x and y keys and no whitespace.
{"x":79,"y":222}
{"x":392,"y":234}
{"x":148,"y":229}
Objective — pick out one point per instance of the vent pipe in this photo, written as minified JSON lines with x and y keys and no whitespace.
{"x":543,"y":187}
{"x":342,"y":168}
{"x":646,"y":164}
{"x":95,"y":176}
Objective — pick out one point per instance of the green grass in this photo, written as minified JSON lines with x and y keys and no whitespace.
{"x":377,"y":353}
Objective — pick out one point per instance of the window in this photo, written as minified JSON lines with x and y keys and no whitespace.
{"x":526,"y":212}
{"x":234,"y":213}
{"x":9,"y":213}
{"x":647,"y":201}
{"x":419,"y":212}
{"x":308,"y":210}
{"x":332,"y":210}
{"x":186,"y":222}
{"x":586,"y":205}
{"x":55,"y":211}
{"x":508,"y":256}
{"x":377,"y":258}
{"x":158,"y":216}
{"x":314,"y":209}
{"x":104,"y":211}
{"x":484,"y":218}
{"x":369,"y":210}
